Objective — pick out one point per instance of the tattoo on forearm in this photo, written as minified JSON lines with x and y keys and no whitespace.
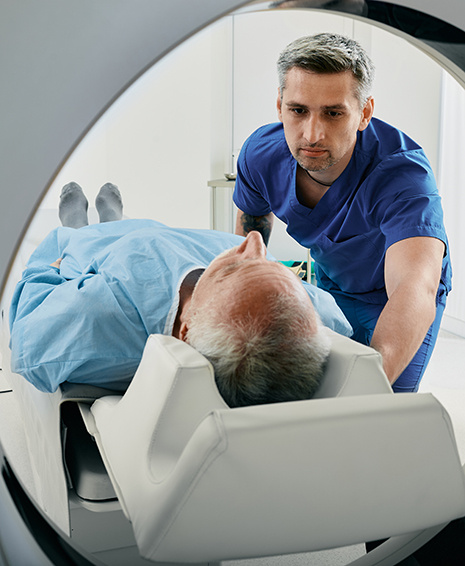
{"x":259,"y":223}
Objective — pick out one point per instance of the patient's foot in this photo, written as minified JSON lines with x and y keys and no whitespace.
{"x":109,"y":203}
{"x":72,"y":209}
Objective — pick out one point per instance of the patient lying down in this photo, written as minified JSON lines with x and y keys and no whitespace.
{"x":85,"y":317}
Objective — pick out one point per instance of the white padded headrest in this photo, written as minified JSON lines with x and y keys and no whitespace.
{"x":352,"y":369}
{"x":175,"y":388}
{"x":174,"y":384}
{"x":200,"y":481}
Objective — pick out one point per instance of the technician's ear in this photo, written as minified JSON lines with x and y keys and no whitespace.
{"x":279,"y":106}
{"x":367,"y":113}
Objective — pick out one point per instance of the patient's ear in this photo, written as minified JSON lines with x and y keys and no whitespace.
{"x":183,"y":331}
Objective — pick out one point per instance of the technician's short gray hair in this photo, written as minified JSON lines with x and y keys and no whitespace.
{"x":278,"y":357}
{"x":328,"y":53}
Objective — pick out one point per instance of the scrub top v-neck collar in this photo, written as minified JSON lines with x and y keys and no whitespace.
{"x":326,"y":205}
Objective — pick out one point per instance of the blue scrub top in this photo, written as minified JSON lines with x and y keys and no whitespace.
{"x":88,"y":321}
{"x":387,"y":193}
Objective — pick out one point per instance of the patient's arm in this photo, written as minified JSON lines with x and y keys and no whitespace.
{"x":246,"y":223}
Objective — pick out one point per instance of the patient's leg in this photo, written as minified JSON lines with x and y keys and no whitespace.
{"x":109,"y":203}
{"x":72,"y":209}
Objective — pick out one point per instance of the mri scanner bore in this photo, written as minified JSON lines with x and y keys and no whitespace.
{"x":341,"y":3}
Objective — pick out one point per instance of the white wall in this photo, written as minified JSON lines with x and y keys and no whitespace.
{"x":452,"y":184}
{"x":160,"y":141}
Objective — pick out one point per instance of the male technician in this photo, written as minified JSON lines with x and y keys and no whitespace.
{"x":360,"y":194}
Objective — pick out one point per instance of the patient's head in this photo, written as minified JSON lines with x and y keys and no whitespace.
{"x":256,"y":324}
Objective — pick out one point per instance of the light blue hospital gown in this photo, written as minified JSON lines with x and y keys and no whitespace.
{"x":88,"y":321}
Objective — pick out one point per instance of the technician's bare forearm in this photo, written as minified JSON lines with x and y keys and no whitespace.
{"x":246,"y":223}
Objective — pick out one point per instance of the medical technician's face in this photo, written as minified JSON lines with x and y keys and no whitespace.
{"x":321,"y":116}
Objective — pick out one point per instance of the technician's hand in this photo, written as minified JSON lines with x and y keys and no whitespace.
{"x":57,"y":263}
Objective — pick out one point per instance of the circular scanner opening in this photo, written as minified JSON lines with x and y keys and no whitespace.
{"x":162,"y":145}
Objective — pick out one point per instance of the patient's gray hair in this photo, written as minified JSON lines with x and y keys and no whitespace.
{"x":278,"y":357}
{"x":328,"y":53}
